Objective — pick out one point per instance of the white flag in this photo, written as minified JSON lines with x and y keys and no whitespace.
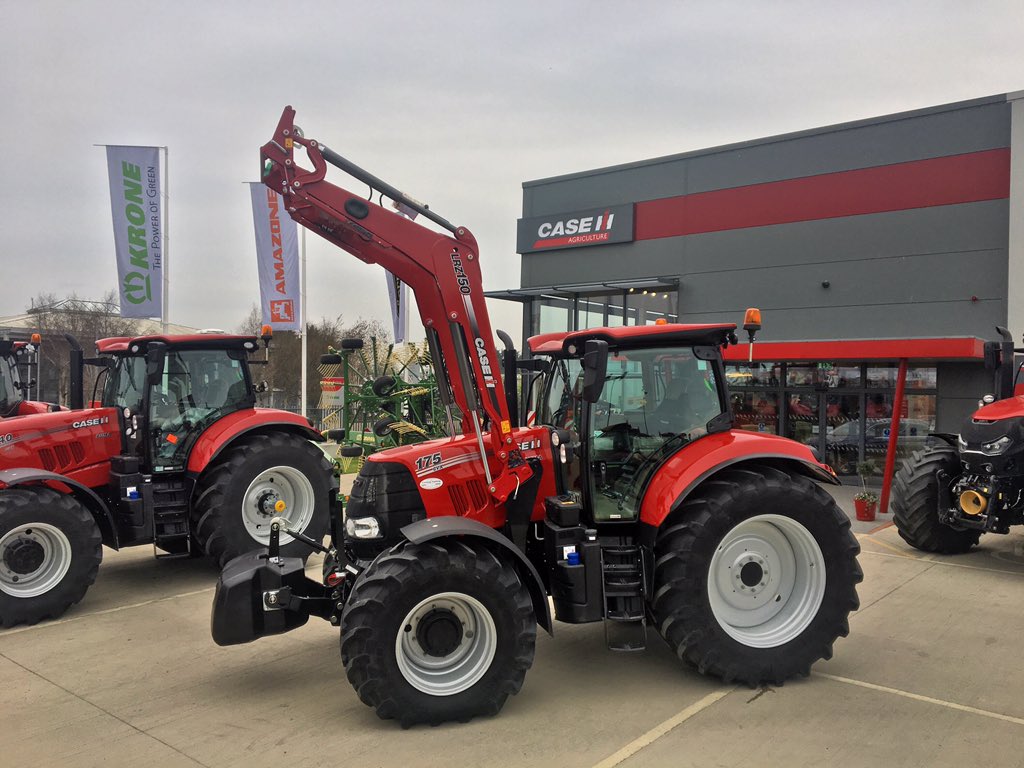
{"x":135,"y":201}
{"x":277,"y":256}
{"x":398,"y":294}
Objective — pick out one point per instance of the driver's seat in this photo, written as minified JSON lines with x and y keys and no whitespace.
{"x":669,"y":414}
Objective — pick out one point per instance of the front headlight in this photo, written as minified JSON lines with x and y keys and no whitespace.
{"x":362,"y":528}
{"x":996,"y":446}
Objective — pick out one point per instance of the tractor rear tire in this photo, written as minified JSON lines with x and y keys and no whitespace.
{"x":438,"y":631}
{"x":915,"y":501}
{"x":755,"y":576}
{"x":50,"y":552}
{"x":234,"y":496}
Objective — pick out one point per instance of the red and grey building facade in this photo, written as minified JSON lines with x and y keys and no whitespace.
{"x":864,"y":244}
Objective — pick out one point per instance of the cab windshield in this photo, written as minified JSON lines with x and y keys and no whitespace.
{"x":654,"y":401}
{"x":126,"y":380}
{"x":196,"y":389}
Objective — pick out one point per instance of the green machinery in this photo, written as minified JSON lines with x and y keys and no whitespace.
{"x":375,"y":397}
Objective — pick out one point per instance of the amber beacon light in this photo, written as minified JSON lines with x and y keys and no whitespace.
{"x":752,"y":324}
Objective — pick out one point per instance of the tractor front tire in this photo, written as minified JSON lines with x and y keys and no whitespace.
{"x":755,"y":576}
{"x":50,"y":552}
{"x":915,"y":503}
{"x":438,"y":631}
{"x":235,"y":497}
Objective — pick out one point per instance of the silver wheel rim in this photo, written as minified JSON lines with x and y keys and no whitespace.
{"x":56,"y":559}
{"x":463,"y":667}
{"x":766,"y":581}
{"x":286,"y":484}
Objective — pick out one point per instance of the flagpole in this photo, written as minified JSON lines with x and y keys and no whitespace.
{"x":302,"y":315}
{"x":164,"y":269}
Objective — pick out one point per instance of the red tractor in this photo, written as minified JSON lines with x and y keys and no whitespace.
{"x":964,"y":485}
{"x":632,"y":501}
{"x":171,"y":452}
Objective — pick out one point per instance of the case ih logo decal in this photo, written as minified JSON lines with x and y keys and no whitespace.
{"x":90,"y":422}
{"x":485,"y":363}
{"x":613,"y":224}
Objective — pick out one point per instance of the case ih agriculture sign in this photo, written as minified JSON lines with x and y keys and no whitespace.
{"x":597,"y":226}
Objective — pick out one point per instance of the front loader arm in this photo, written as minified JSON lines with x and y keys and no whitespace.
{"x":442,"y":270}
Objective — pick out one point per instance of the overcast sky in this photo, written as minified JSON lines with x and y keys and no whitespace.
{"x":457,"y":103}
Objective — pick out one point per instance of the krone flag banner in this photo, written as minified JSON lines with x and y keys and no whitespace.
{"x":135,"y":200}
{"x":277,"y":257}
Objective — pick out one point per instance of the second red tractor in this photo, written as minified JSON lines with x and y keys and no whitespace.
{"x":172,"y":452}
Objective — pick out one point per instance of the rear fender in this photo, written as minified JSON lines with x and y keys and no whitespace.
{"x":697,"y":462}
{"x":225,"y":431}
{"x":442,"y":527}
{"x":12,"y":478}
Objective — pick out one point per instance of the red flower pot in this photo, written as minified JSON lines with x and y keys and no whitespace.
{"x":865,"y":509}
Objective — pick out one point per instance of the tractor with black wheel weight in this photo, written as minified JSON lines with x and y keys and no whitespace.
{"x":630,"y":502}
{"x":961,"y":486}
{"x":172,"y":451}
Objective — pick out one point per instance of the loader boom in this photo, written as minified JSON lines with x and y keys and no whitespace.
{"x":443,"y":271}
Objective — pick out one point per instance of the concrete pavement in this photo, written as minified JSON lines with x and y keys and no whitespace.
{"x":930,"y":675}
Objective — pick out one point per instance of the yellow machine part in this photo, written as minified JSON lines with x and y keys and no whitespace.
{"x":973,"y":503}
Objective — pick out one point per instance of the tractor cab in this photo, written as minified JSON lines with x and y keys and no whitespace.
{"x":172,"y":388}
{"x":657,"y":390}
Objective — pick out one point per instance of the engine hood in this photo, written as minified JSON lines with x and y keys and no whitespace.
{"x":1009,"y":408}
{"x":983,"y":428}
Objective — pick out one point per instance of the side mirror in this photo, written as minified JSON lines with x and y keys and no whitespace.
{"x":155,"y":354}
{"x":262,"y":387}
{"x":595,"y":368}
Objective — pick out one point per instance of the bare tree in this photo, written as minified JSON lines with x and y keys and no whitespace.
{"x":86,"y":321}
{"x":283,"y":373}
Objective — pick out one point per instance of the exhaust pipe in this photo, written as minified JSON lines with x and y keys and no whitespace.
{"x":76,"y":374}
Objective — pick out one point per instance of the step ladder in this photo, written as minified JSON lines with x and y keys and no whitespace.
{"x":171,"y":537}
{"x":625,"y":614}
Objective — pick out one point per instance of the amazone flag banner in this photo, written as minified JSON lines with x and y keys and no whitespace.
{"x":136,"y":202}
{"x":277,"y":257}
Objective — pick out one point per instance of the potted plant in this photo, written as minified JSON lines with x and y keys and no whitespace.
{"x":865,"y":502}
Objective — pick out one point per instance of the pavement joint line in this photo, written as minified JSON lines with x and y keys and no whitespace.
{"x":936,"y":561}
{"x":115,"y":609}
{"x":899,"y":586}
{"x":897,"y":550}
{"x":104,"y":711}
{"x":664,"y":728}
{"x":925,"y":699}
